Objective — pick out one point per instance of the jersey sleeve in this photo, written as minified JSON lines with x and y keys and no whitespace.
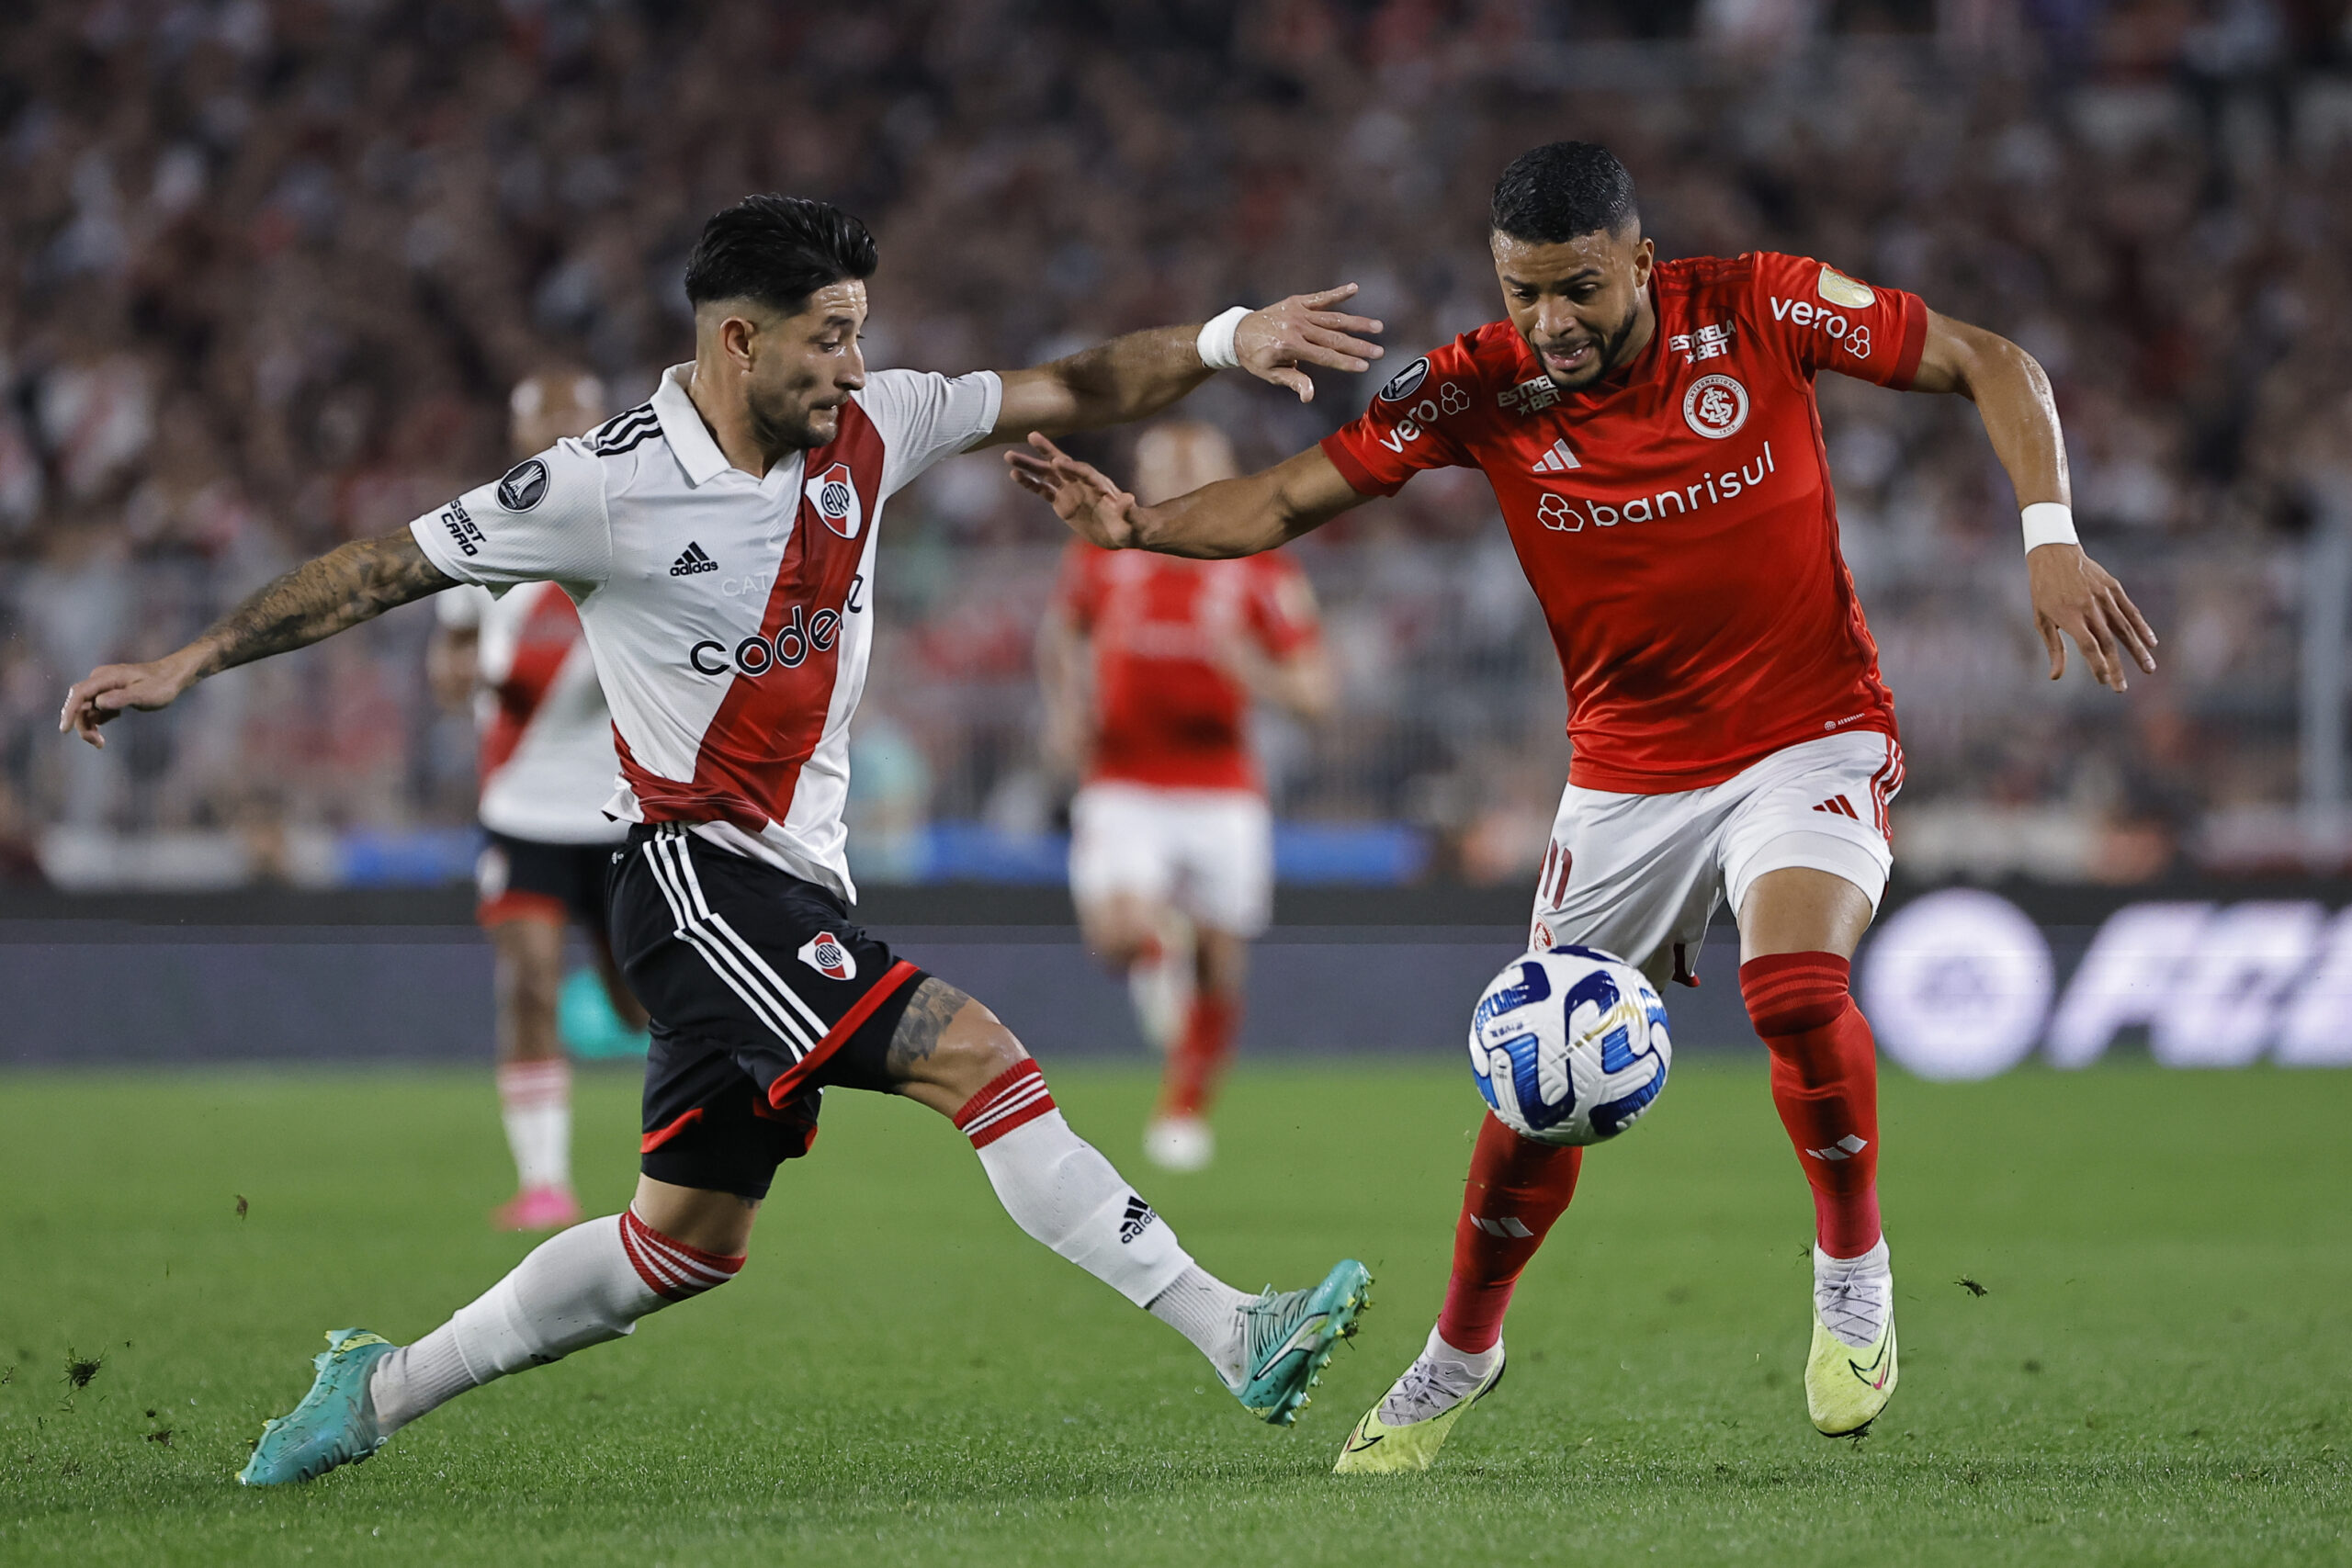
{"x":460,"y":609}
{"x":544,"y":522}
{"x":1415,"y":421}
{"x":924,"y":416}
{"x":1819,"y":319}
{"x":1282,"y":608}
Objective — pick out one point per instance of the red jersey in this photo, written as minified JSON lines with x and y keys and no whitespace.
{"x":1168,"y":712}
{"x":1675,"y":518}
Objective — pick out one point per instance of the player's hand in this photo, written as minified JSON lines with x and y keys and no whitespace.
{"x":111,"y":690}
{"x":1099,"y":511}
{"x":2076,"y":596}
{"x":1304,"y":330}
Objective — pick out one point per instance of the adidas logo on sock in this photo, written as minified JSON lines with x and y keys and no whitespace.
{"x":1846,"y":1148}
{"x":692,"y":560}
{"x":1558,"y":460}
{"x":1138,"y":1220}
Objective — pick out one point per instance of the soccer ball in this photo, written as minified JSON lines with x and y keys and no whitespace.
{"x":1569,"y":1046}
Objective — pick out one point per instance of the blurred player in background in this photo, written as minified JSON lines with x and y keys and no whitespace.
{"x":547,"y":773}
{"x":1650,"y":431}
{"x":1148,"y":663}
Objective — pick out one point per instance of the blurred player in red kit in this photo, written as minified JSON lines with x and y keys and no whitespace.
{"x":548,"y":770}
{"x":1148,"y":664}
{"x":1650,"y":431}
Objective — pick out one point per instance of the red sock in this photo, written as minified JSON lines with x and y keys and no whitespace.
{"x":1199,"y":1056}
{"x":1824,"y":1083}
{"x":1517,"y":1188}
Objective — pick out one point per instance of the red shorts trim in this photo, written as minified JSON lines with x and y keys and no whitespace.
{"x":516,"y":904}
{"x":788,"y":1083}
{"x":661,"y":1135}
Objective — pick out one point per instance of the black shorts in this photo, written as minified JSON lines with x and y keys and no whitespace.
{"x":763,"y":991}
{"x":526,"y":878}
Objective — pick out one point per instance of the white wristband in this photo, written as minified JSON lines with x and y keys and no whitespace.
{"x":2048,"y":523}
{"x":1216,"y":342}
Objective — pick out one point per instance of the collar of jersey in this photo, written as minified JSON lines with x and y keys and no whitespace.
{"x":691,"y":439}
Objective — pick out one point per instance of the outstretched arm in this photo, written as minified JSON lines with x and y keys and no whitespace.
{"x":1232,"y":517}
{"x":351,"y":583}
{"x":1134,"y":377}
{"x":2072,"y":593}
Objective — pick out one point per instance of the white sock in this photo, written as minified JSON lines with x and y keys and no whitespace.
{"x":1207,"y":1311}
{"x":1854,"y":1295}
{"x":1439,"y":1376}
{"x":1059,"y":1189}
{"x":534,"y":1102}
{"x":579,"y":1287}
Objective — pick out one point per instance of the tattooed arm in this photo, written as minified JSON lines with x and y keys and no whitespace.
{"x":355,"y":582}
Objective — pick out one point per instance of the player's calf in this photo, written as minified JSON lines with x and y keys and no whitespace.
{"x":586,"y":1286}
{"x":1825,"y":1085}
{"x":1267,"y":1348}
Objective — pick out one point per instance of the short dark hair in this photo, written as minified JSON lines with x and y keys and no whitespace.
{"x":777,"y":250}
{"x":1562,"y":190}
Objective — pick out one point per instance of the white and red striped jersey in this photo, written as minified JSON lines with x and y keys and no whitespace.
{"x":731,"y":615}
{"x":547,"y":738}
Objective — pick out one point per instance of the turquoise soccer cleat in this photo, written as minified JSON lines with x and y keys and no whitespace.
{"x":336,"y":1423}
{"x":1288,"y":1338}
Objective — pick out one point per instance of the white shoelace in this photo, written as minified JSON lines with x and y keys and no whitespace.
{"x":1854,"y":1295}
{"x":1439,"y":1379}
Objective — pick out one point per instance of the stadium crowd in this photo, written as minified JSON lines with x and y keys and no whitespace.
{"x":270,"y":269}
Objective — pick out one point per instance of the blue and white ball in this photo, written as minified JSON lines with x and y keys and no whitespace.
{"x":1569,"y":1046}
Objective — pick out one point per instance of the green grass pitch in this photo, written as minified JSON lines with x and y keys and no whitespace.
{"x":2159,"y":1370}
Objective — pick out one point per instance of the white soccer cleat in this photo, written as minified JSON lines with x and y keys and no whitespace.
{"x":1178,"y":1143}
{"x":1850,"y":1374}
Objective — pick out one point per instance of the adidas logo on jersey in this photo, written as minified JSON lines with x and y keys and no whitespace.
{"x":1138,"y":1220}
{"x":692,"y":560}
{"x":1558,"y":460}
{"x":1838,"y":805}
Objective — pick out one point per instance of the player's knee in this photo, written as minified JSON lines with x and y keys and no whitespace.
{"x":974,"y":1052}
{"x":1790,"y":993}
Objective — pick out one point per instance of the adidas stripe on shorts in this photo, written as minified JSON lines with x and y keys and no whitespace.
{"x":1641,"y":875}
{"x":763,"y":991}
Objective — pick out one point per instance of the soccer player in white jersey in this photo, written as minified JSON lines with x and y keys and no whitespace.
{"x":720,"y":543}
{"x":546,"y":770}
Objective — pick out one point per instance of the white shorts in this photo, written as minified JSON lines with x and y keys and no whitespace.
{"x":1210,"y":853}
{"x":1639,"y":875}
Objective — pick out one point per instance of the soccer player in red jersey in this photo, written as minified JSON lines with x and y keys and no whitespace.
{"x":1148,"y":663}
{"x":1650,"y":431}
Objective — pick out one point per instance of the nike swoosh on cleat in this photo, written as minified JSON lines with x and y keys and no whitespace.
{"x":1864,"y":1372}
{"x":1358,"y":1442}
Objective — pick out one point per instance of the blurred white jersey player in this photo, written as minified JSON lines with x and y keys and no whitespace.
{"x":1149,"y":663}
{"x":546,"y":771}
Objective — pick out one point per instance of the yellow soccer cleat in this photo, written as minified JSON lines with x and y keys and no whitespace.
{"x":1851,"y":1373}
{"x":1405,"y":1430}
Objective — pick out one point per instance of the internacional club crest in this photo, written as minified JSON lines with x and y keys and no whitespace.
{"x":834,"y":495}
{"x":1715,"y":406}
{"x":825,"y":953}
